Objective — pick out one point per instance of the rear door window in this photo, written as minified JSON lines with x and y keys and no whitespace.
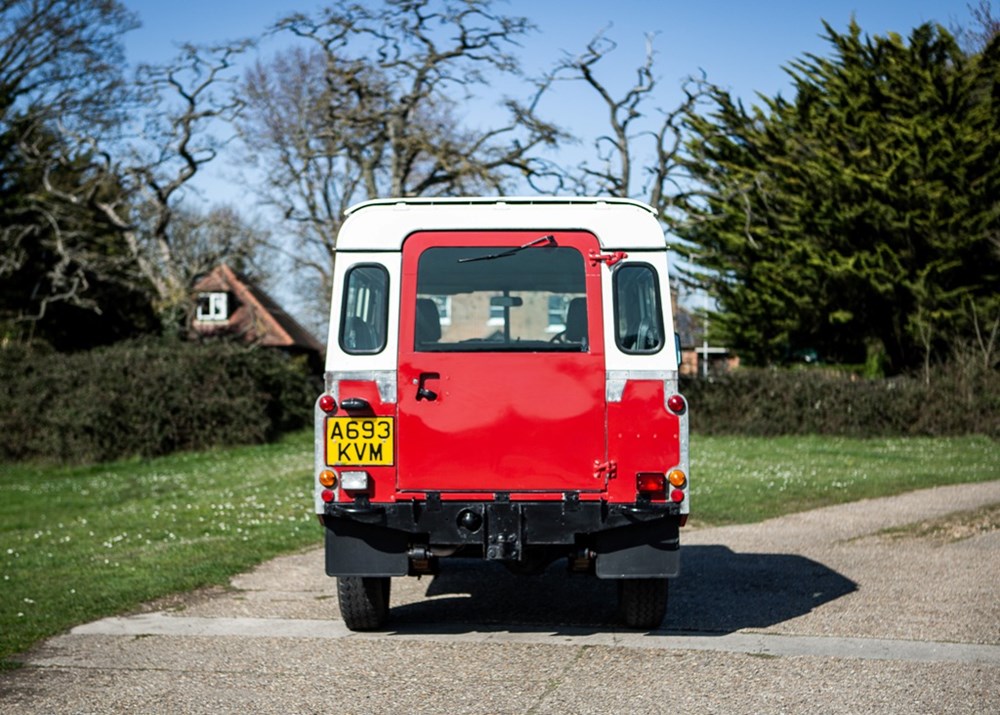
{"x":488,"y":299}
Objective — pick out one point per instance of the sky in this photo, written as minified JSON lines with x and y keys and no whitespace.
{"x":740,"y":45}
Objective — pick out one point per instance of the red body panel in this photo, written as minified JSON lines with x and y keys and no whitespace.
{"x":502,"y":422}
{"x":649,"y":444}
{"x":381,"y":477}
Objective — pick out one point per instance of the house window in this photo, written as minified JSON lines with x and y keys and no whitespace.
{"x":558,"y":305}
{"x":213,"y":307}
{"x":496,"y":310}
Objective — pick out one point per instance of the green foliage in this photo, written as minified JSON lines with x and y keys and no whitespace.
{"x":65,"y":272}
{"x":860,"y":217}
{"x":145,"y":398}
{"x":962,"y":398}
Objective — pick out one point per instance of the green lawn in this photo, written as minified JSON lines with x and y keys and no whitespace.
{"x":79,"y":543}
{"x":747,"y":479}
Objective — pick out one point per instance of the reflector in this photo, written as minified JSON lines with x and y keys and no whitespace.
{"x":676,"y":403}
{"x":328,"y":404}
{"x":677,"y":495}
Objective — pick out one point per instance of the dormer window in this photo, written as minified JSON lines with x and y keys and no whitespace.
{"x":213,"y":307}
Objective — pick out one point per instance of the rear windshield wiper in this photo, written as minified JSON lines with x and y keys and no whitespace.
{"x":546,"y":240}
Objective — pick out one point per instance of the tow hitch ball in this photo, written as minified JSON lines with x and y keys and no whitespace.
{"x":470,"y":520}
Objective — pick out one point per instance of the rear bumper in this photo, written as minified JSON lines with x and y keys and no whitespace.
{"x":623,"y":540}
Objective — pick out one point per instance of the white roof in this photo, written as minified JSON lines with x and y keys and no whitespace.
{"x":383,"y":224}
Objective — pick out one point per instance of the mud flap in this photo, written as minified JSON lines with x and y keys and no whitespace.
{"x":356,"y":549}
{"x":649,"y":550}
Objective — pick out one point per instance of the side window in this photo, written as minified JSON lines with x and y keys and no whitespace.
{"x":365,"y":312}
{"x":638,"y":316}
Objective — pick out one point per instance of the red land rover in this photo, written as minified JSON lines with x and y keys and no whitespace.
{"x":501,"y":383}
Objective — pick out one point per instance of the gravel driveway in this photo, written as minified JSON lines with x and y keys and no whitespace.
{"x":814,"y":612}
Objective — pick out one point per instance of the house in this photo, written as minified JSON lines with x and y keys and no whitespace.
{"x":229,"y":304}
{"x":698,"y":358}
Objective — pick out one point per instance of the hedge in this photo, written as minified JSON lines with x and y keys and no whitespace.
{"x":766,"y":402}
{"x":146,"y":398}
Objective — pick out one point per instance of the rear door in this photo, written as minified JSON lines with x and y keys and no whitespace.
{"x":501,"y":384}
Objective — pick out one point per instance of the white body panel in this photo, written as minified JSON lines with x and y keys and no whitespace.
{"x":376,"y":227}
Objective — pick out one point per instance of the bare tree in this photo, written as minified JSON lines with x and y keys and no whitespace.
{"x":62,"y":58}
{"x":640,"y":154}
{"x":985,"y":26}
{"x":372,"y":107}
{"x":53,"y":250}
{"x":61,"y":61}
{"x":101,"y":164}
{"x":186,"y":103}
{"x":188,"y":99}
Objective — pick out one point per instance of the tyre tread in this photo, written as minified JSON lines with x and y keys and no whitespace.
{"x":644,"y":602}
{"x":364,"y":601}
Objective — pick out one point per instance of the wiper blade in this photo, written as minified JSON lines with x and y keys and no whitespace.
{"x":546,"y":240}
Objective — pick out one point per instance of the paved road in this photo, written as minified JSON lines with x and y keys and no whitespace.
{"x":815,"y":612}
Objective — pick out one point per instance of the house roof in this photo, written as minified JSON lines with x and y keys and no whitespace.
{"x":258,"y":317}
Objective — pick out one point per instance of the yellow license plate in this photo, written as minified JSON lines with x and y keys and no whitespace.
{"x":360,"y":441}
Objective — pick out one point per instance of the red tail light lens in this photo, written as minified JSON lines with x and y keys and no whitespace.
{"x":328,"y":404}
{"x":651,"y":484}
{"x":677,"y":495}
{"x":676,"y":403}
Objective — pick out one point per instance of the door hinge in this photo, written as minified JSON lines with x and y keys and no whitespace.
{"x":609,"y":258}
{"x":608,"y":470}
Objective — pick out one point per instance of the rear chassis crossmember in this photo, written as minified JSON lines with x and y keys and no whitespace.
{"x":639,"y":540}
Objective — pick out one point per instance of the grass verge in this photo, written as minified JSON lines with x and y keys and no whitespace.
{"x":80,"y":543}
{"x":736,"y":480}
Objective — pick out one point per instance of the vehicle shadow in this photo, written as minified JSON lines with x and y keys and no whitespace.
{"x":719,"y":591}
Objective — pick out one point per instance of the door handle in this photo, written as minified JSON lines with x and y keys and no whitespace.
{"x":422,"y":392}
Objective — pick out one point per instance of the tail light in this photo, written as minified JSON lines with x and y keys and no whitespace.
{"x":328,"y":404}
{"x":677,"y":404}
{"x":652,"y":485}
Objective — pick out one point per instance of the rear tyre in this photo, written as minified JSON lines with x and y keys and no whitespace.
{"x":643,"y":601}
{"x":364,"y":601}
